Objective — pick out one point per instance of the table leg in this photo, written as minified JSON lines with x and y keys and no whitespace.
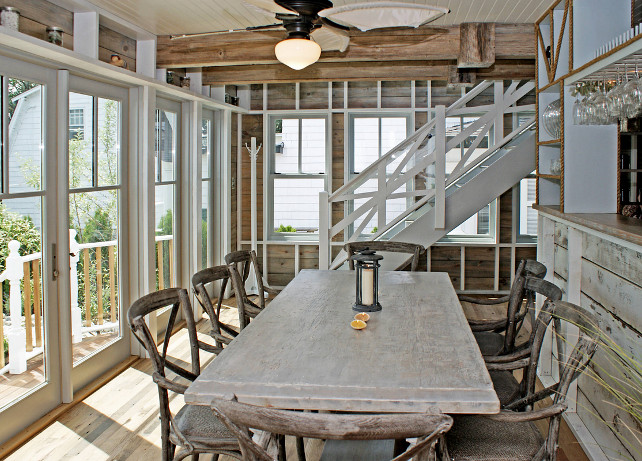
{"x":400,"y":446}
{"x":300,"y":450}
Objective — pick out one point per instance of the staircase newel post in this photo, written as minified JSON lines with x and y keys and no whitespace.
{"x":440,"y":167}
{"x":324,"y":231}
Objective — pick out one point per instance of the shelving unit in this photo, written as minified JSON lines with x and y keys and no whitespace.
{"x":567,"y":36}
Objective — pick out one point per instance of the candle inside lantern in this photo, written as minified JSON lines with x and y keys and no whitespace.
{"x":367,"y":287}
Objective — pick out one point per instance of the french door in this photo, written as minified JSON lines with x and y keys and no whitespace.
{"x":97,"y":205}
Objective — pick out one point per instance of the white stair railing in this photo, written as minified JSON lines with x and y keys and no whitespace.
{"x":415,"y":169}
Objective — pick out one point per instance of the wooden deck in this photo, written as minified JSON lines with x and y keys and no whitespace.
{"x":14,"y":386}
{"x":120,"y":420}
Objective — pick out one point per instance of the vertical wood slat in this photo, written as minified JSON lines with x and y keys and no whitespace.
{"x":35,"y":269}
{"x":2,"y":364}
{"x":27,"y":305}
{"x":112,"y":285}
{"x":170,"y":250}
{"x":87,"y":287}
{"x":99,"y":284}
{"x":159,"y":258}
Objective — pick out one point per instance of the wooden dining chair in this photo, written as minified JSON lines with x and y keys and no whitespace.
{"x":222,"y":333}
{"x":498,"y":336}
{"x":247,"y":309}
{"x":512,"y":434}
{"x":194,"y":429}
{"x":241,"y":418}
{"x":503,"y":366}
{"x":351,"y":248}
{"x":243,"y":260}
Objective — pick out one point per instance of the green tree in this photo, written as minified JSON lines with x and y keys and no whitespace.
{"x":15,"y":88}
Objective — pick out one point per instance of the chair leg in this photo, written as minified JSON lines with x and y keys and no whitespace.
{"x":282,"y":455}
{"x":300,"y":449}
{"x":195,"y":457}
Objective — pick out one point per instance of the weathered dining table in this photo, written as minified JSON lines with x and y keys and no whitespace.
{"x":416,"y":355}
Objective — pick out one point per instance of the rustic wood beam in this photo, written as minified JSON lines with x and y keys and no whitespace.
{"x":388,"y":70}
{"x":512,"y":41}
{"x":476,"y":45}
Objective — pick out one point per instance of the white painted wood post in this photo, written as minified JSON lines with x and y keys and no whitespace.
{"x":382,"y":195}
{"x":15,"y":334}
{"x":440,"y":167}
{"x":498,"y":90}
{"x":76,"y":317}
{"x":324,"y":231}
{"x":251,"y":286}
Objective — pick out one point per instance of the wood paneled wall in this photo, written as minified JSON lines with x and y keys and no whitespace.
{"x":37,"y":15}
{"x":479,"y":271}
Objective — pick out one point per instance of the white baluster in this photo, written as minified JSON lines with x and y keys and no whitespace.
{"x":17,"y":338}
{"x":76,"y":316}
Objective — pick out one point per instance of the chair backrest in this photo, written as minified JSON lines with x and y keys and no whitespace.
{"x":239,"y":417}
{"x":178,"y":299}
{"x":395,"y":247}
{"x":578,"y":357}
{"x":243,"y":260}
{"x":242,"y":301}
{"x":519,"y":292}
{"x":200,"y":282}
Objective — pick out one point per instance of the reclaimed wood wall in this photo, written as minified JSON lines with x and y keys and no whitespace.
{"x":37,"y":15}
{"x":284,"y":258}
{"x":611,"y":287}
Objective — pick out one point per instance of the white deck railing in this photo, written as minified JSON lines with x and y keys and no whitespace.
{"x":26,"y":331}
{"x":415,"y":169}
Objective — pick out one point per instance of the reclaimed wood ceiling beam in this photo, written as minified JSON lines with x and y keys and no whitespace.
{"x":386,"y":70}
{"x":512,"y":41}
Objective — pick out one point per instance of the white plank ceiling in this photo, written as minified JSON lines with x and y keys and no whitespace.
{"x":164,"y":17}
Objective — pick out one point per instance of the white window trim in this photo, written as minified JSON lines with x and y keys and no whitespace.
{"x":271,"y":175}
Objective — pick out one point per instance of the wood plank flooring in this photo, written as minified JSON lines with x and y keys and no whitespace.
{"x":120,"y":420}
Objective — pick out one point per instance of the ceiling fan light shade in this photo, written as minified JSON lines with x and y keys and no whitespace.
{"x":297,"y":53}
{"x":376,"y":15}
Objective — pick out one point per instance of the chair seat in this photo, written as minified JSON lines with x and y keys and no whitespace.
{"x":489,"y":343}
{"x":475,"y":438}
{"x":199,"y":424}
{"x":506,"y":386}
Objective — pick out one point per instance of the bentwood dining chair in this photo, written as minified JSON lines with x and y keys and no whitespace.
{"x":413,"y":249}
{"x":512,"y":435}
{"x":193,"y":429}
{"x":242,"y":418}
{"x":502,"y":366}
{"x":202,"y":282}
{"x":498,"y":336}
{"x":243,"y":260}
{"x":247,"y":309}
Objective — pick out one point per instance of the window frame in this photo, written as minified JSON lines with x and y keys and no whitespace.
{"x":269,"y":231}
{"x":517,"y":212}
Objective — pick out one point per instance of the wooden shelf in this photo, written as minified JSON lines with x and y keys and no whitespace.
{"x":549,"y":142}
{"x":61,"y":58}
{"x":549,"y":176}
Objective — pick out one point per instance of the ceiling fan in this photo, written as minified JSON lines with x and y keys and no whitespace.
{"x":314,"y":26}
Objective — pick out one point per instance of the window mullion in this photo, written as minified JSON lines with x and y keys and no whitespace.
{"x":5,"y":136}
{"x":300,"y":146}
{"x":94,"y":141}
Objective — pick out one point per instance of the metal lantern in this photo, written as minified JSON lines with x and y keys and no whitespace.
{"x":367,"y":277}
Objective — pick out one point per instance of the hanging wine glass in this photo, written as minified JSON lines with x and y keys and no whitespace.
{"x":632,"y":96}
{"x":615,"y":99}
{"x":578,"y":109}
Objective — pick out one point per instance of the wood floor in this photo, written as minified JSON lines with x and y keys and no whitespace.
{"x":120,"y":420}
{"x":14,"y":386}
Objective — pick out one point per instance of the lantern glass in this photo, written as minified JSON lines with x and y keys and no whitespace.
{"x":367,"y":281}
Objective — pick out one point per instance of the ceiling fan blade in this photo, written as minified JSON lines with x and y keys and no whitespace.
{"x":330,"y":39}
{"x":375,"y":15}
{"x":268,"y":7}
{"x":229,"y":31}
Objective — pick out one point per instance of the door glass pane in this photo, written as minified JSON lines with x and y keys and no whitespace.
{"x":22,"y":331}
{"x":25,"y":135}
{"x":93,"y":244}
{"x":204,"y":222}
{"x":286,"y":157}
{"x":206,"y":148}
{"x":81,"y":149}
{"x":313,"y":145}
{"x":166,"y":141}
{"x":108,"y":142}
{"x":296,"y":204}
{"x":164,"y":236}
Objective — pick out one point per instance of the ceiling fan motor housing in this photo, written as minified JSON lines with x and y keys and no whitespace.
{"x":308,"y":12}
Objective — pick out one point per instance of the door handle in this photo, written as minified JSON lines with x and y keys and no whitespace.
{"x":54,"y":262}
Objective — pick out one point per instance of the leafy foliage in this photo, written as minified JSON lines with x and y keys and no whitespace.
{"x":283,"y":228}
{"x":15,"y":88}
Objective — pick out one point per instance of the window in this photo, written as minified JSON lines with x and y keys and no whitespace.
{"x":76,"y":124}
{"x":373,"y":136}
{"x":527,"y":215}
{"x":297,"y":174}
{"x":206,"y":189}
